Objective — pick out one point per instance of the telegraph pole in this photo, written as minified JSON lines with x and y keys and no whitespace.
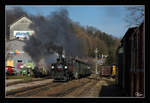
{"x":96,"y":51}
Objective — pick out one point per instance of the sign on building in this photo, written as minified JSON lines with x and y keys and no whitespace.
{"x":23,"y":34}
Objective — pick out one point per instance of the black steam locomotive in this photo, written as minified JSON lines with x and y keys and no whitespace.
{"x":65,"y":70}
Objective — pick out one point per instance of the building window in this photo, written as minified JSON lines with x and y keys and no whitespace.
{"x":19,"y":60}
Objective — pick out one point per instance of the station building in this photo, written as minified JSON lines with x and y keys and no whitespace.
{"x":18,"y":32}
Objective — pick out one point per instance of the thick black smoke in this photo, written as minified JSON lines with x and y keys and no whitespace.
{"x":53,"y":33}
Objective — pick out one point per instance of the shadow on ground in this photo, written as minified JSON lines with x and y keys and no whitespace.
{"x":112,"y":91}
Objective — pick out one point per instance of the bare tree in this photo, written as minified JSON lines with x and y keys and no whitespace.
{"x":135,"y":15}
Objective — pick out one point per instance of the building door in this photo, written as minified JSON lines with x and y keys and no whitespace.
{"x":19,"y":63}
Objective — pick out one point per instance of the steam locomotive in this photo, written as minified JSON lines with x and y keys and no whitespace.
{"x":68,"y":69}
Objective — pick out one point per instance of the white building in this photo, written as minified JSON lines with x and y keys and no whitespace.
{"x":19,"y":30}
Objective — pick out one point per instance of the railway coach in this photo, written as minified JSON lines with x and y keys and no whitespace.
{"x":130,"y":60}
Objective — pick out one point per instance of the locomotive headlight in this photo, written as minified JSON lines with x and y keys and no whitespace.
{"x":52,"y":67}
{"x":65,"y":67}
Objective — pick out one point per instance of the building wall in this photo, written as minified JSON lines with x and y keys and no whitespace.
{"x":22,"y":25}
{"x":18,"y":45}
{"x":14,"y":44}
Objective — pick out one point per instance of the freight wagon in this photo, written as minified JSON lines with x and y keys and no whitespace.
{"x":105,"y":71}
{"x":108,"y":71}
{"x":130,"y":60}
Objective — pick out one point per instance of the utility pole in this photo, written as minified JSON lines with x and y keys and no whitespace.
{"x":96,"y":51}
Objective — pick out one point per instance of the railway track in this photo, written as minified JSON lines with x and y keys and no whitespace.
{"x":68,"y":90}
{"x":63,"y":89}
{"x":82,"y":91}
{"x":34,"y":91}
{"x":84,"y":87}
{"x":53,"y":89}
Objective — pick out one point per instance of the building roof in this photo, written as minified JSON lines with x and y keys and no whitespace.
{"x":128,"y":33}
{"x":131,"y":31}
{"x":20,"y":18}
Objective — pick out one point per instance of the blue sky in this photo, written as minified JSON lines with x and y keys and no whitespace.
{"x":107,"y":18}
